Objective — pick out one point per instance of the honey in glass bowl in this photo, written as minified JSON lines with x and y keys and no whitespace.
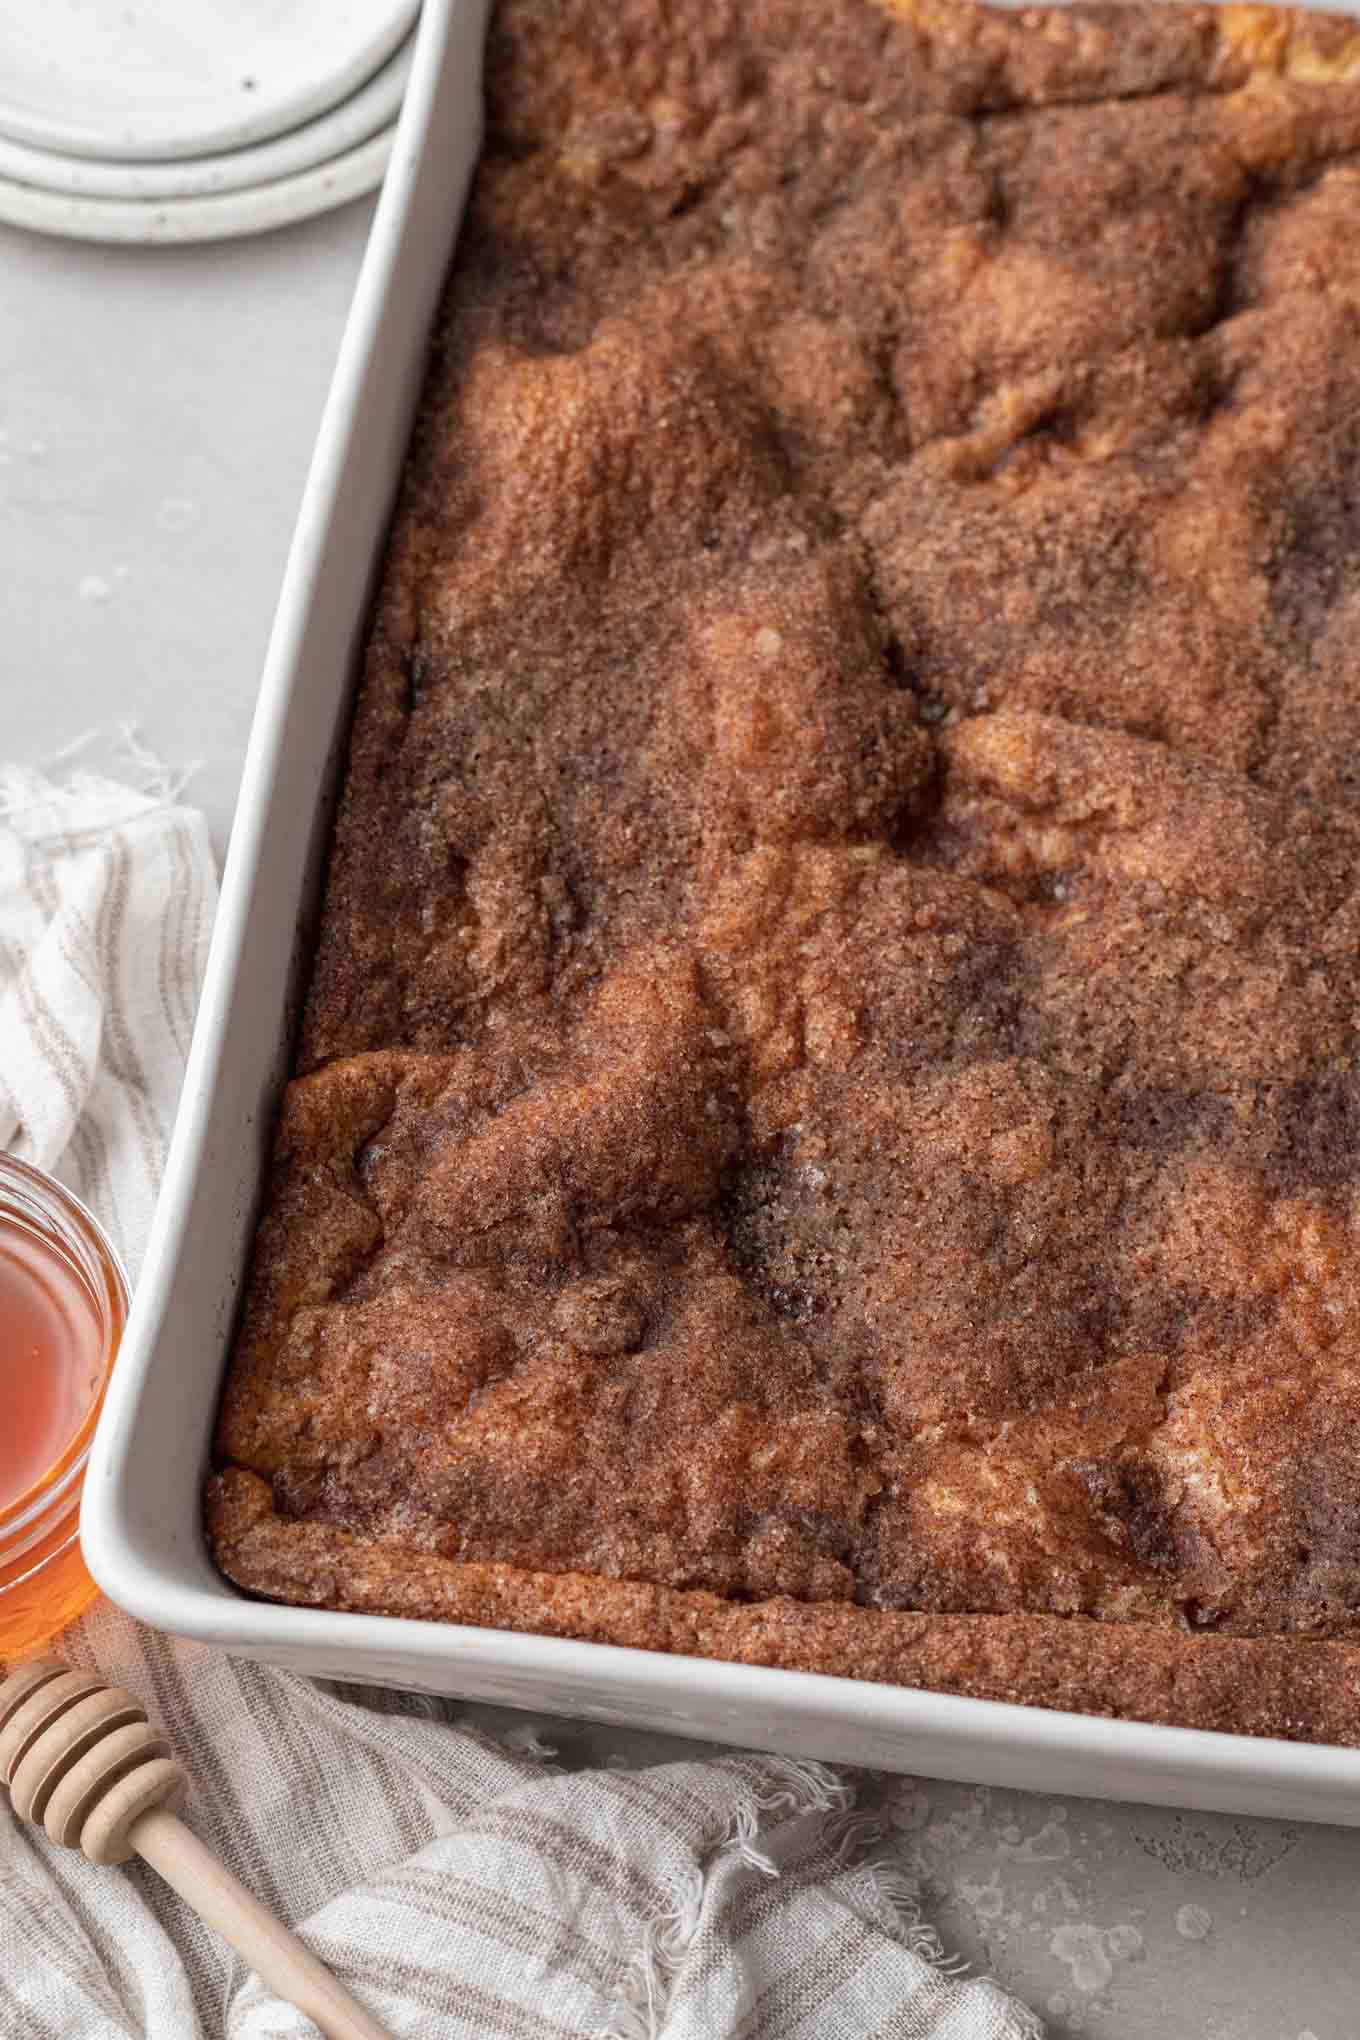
{"x":63,"y":1304}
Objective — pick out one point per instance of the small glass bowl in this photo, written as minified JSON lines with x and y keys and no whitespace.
{"x":43,"y":1581}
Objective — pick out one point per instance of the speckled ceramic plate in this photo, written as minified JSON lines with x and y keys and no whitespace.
{"x":374,"y":106}
{"x":169,"y":78}
{"x":221,"y":216}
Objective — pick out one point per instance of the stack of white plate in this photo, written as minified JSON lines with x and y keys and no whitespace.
{"x":194,"y":120}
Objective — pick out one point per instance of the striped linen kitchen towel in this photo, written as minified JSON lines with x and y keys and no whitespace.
{"x":462,"y":1886}
{"x":106,"y":906}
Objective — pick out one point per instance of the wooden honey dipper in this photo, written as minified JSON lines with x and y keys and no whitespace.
{"x":80,"y":1756}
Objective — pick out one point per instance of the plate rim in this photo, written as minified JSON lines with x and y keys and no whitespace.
{"x":220,"y":216}
{"x":324,"y":139}
{"x":265,"y":120}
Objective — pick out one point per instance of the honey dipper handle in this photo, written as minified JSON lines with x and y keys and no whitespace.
{"x":276,"y":1956}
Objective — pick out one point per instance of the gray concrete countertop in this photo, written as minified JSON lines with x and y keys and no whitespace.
{"x":157,"y":411}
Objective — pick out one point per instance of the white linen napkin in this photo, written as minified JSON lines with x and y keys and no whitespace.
{"x":459,"y":1887}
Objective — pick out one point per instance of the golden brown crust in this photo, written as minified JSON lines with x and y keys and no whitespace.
{"x":827,"y":1128}
{"x":1263,"y":1686}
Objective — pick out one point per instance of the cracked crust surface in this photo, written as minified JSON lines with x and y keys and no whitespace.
{"x":825,"y":1129}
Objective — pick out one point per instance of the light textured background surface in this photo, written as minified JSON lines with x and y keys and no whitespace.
{"x":157,"y":411}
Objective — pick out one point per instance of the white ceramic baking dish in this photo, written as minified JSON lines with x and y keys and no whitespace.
{"x":142,"y":1509}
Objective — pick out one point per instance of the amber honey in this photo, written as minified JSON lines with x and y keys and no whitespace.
{"x":63,"y":1301}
